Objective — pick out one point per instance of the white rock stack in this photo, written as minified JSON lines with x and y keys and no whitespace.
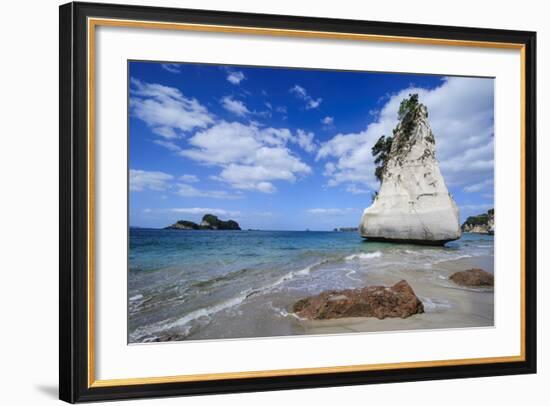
{"x":413,"y":204}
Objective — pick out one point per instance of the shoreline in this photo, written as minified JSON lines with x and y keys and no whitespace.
{"x":446,"y":306}
{"x":454,"y":306}
{"x":251,"y":294}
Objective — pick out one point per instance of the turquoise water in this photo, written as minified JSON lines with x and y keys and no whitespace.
{"x":201,"y":284}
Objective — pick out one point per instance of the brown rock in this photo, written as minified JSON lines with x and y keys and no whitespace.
{"x":473,"y":277}
{"x":371,"y":301}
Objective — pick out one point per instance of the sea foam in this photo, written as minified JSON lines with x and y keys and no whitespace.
{"x":364,"y":255}
{"x":143,"y":332}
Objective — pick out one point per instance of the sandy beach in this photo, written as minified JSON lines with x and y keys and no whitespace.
{"x":446,"y":305}
{"x":450,"y":306}
{"x":249,"y":288}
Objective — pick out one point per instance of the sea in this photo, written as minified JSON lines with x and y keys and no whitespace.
{"x":212,"y":284}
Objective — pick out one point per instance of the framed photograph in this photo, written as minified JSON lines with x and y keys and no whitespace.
{"x":256,"y":202}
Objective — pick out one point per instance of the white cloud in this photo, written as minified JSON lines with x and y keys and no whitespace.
{"x":330,"y":168}
{"x":265,"y":165}
{"x":198,"y":210}
{"x":274,"y":136}
{"x":467,"y":210}
{"x":160,"y":181}
{"x":301,"y":93}
{"x":250,"y":157}
{"x":478,"y":187}
{"x":234,"y":106}
{"x":149,"y":180}
{"x":235,"y":77}
{"x":168,"y":145}
{"x":481,"y":208}
{"x":332,"y":211}
{"x":188,"y":178}
{"x":265,"y":187}
{"x":223,"y":143}
{"x":313,"y":104}
{"x":461,"y":117}
{"x":305,"y":140}
{"x":165,"y":132}
{"x":353,"y":160}
{"x":356,"y":190}
{"x":328,"y":121}
{"x":166,"y":110}
{"x":186,"y":190}
{"x":171,"y":67}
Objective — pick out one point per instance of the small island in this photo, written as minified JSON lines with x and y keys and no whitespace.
{"x":209,"y":222}
{"x":480,"y":224}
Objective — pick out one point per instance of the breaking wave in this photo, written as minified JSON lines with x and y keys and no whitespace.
{"x":364,"y":255}
{"x":182,"y":324}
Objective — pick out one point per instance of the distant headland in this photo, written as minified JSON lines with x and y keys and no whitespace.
{"x":480,"y":224}
{"x":347,"y":229}
{"x":209,"y":222}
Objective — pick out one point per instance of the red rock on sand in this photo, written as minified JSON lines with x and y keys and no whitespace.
{"x":398,"y":300}
{"x":473,"y":277}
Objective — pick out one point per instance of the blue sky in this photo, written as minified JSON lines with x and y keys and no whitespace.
{"x":289,"y":149}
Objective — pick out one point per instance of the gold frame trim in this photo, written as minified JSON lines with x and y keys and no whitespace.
{"x":94,"y":22}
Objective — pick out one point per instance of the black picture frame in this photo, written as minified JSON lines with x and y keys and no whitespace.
{"x":74,"y":385}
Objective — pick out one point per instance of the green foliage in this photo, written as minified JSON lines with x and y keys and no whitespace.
{"x":477,"y":220}
{"x":210,"y":218}
{"x":215,"y":223}
{"x":188,"y":224}
{"x":480,"y":220}
{"x":407,"y":121}
{"x":399,"y":142}
{"x":381,"y":153}
{"x":407,"y":106}
{"x":210,"y":222}
{"x":430,"y":137}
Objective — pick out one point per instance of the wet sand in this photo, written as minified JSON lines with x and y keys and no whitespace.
{"x":449,"y":306}
{"x":446,"y":305}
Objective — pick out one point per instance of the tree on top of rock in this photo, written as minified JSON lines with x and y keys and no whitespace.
{"x":407,"y":116}
{"x":381,"y":153}
{"x":407,"y":106}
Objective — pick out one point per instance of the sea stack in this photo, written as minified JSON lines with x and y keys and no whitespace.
{"x":413,"y":204}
